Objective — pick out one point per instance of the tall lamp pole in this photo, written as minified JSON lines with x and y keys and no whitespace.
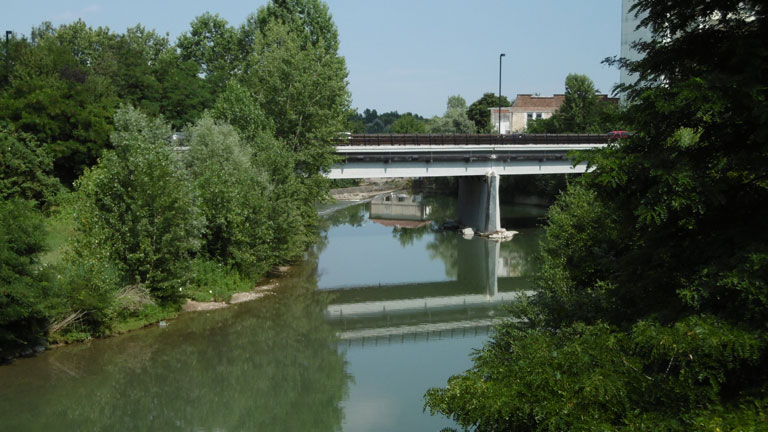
{"x":500,"y":56}
{"x":7,"y":56}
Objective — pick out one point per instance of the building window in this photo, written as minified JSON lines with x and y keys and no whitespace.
{"x":538,"y":116}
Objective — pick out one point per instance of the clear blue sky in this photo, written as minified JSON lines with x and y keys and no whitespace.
{"x":404,"y":55}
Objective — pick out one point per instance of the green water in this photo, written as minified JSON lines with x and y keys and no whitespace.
{"x":351,"y":340}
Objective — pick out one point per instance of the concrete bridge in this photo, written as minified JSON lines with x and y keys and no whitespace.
{"x":478,"y":161}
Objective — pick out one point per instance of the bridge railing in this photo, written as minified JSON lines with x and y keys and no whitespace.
{"x":468,"y":139}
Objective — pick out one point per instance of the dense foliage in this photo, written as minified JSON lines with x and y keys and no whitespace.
{"x":22,"y":286}
{"x":156,"y":214}
{"x":480,"y":111}
{"x":370,"y":121}
{"x":654,"y":288}
{"x":583,"y":110}
{"x":27,"y":169}
{"x":454,"y":120}
{"x":140,"y":207}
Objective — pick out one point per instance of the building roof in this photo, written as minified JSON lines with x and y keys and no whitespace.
{"x":526,"y":102}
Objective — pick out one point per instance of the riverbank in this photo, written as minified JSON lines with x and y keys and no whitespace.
{"x":216,"y":290}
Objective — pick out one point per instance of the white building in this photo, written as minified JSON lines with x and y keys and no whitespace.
{"x":525,"y":108}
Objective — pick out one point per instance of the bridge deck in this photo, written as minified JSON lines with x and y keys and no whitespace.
{"x":468,"y":139}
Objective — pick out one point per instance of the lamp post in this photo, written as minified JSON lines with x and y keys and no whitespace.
{"x":500,"y":56}
{"x":7,"y":56}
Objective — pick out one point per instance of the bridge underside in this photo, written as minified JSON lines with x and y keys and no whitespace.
{"x":477,"y":166}
{"x":395,"y":169}
{"x":393,"y":162}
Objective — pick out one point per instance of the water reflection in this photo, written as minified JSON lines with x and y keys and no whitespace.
{"x":392,"y":291}
{"x":268,"y":365}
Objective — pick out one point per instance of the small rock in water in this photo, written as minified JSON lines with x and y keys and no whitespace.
{"x":502,"y":234}
{"x":163,"y":324}
{"x":468,"y":232}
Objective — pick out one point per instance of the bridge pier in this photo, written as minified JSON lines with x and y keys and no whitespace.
{"x":478,"y":205}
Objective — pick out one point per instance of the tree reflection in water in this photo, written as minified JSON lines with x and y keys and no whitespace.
{"x":270,"y":365}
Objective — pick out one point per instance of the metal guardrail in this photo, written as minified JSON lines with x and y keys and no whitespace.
{"x":468,"y":139}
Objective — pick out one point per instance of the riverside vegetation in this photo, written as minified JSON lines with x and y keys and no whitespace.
{"x":653,"y":291}
{"x":104,"y":224}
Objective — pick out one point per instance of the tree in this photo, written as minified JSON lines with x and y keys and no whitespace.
{"x":653,"y":292}
{"x":480,"y":111}
{"x":214,"y":46}
{"x":54,"y":96}
{"x":26,"y":169}
{"x":233,"y":197}
{"x":409,"y":124}
{"x":138,"y":208}
{"x":286,"y":200}
{"x":455,"y":119}
{"x":299,"y":80}
{"x":22,"y":289}
{"x":303,"y":91}
{"x":582,"y":111}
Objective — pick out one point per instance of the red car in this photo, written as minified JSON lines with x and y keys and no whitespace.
{"x":618,"y":135}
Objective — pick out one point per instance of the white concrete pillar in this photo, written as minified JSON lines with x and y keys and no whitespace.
{"x":478,"y":205}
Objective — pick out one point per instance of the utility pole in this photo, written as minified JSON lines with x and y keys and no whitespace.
{"x":500,"y":56}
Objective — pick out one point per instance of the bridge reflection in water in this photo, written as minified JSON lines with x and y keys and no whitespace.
{"x":484,"y":275}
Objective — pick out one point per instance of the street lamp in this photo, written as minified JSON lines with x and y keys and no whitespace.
{"x":500,"y":56}
{"x":7,"y":56}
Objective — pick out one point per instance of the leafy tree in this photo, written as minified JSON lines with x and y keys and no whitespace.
{"x":238,"y":107}
{"x":287,"y":202}
{"x":653,"y":294}
{"x":303,"y":91}
{"x":455,"y":119}
{"x":582,"y":111}
{"x":182,"y":95}
{"x":54,"y":97}
{"x":233,"y":197}
{"x":299,"y":81}
{"x":409,"y":123}
{"x":213,"y":45}
{"x":309,"y":20}
{"x":355,"y":122}
{"x":22,"y":289}
{"x":138,"y":208}
{"x":480,"y":111}
{"x":26,"y":169}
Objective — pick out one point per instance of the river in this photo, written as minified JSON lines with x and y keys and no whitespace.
{"x":353,"y":337}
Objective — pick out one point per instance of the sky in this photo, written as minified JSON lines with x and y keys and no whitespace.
{"x":404,"y":55}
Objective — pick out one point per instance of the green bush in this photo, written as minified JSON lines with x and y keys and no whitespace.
{"x":214,"y":281}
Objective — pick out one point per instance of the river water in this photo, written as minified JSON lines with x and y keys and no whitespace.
{"x":352,"y":339}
